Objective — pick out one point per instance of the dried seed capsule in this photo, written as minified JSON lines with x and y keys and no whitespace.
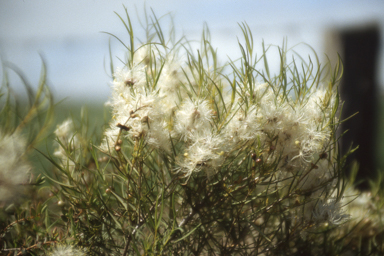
{"x":119,"y":142}
{"x":60,"y":203}
{"x":108,"y":190}
{"x":314,"y":166}
{"x":254,"y":156}
{"x":201,"y":163}
{"x":323,"y":155}
{"x":129,"y":82}
{"x":196,"y":114}
{"x":121,"y":126}
{"x":239,"y":180}
{"x":117,"y":148}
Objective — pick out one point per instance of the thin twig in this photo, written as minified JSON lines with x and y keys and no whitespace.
{"x":22,"y":250}
{"x":130,"y":236}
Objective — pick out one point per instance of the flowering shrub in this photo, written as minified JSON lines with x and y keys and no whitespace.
{"x":199,"y":158}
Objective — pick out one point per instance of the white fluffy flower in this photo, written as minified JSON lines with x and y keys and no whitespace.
{"x":138,"y":108}
{"x":67,"y":250}
{"x":330,"y":211}
{"x":203,"y":153}
{"x":67,"y":136}
{"x":193,"y":117}
{"x":127,"y":83}
{"x":14,"y":168}
{"x":359,"y":205}
{"x":244,"y":127}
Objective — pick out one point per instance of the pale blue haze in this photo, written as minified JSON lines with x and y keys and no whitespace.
{"x":67,"y":32}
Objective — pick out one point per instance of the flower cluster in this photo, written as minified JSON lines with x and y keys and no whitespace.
{"x":208,"y":121}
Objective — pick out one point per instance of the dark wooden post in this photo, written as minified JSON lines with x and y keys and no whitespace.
{"x":359,"y":90}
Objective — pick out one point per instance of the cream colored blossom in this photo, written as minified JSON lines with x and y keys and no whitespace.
{"x":67,"y":250}
{"x":69,"y":150}
{"x":14,"y":168}
{"x":330,"y":211}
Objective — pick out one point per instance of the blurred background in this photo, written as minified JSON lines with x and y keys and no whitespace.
{"x":67,"y":33}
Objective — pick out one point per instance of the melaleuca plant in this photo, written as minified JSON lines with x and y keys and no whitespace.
{"x":203,"y":158}
{"x":222,"y":159}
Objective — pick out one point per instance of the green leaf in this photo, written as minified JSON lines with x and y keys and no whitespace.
{"x":121,"y":200}
{"x":186,"y":235}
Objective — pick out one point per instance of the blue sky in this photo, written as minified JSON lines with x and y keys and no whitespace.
{"x":67,"y":32}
